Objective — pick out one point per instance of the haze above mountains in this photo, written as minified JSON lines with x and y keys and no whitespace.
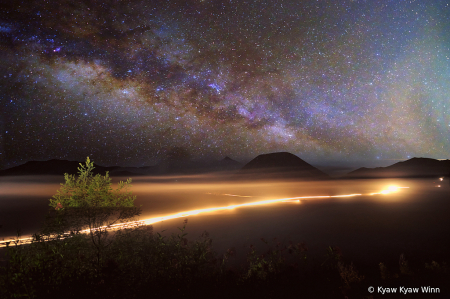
{"x":281,"y":165}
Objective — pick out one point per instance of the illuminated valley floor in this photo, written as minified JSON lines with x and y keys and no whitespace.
{"x":184,"y":214}
{"x":368,"y":221}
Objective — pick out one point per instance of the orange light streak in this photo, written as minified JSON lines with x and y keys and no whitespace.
{"x":184,"y":214}
{"x":226,"y":194}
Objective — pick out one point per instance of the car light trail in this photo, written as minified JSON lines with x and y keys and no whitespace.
{"x":226,"y":194}
{"x":184,"y":214}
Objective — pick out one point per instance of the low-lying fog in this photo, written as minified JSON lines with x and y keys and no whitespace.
{"x":413,"y":221}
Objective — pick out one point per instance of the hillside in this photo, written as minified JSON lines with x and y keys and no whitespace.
{"x":412,"y":168}
{"x":281,"y":165}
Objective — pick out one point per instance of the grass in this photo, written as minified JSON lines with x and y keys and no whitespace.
{"x":140,"y":263}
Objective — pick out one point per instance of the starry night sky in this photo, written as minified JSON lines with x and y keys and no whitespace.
{"x":132,"y":82}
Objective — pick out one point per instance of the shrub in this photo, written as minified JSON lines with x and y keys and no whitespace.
{"x":89,"y":202}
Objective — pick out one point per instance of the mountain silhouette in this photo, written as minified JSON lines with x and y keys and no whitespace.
{"x":229,"y":160}
{"x":281,"y":165}
{"x":197,"y":166}
{"x":225,"y":164}
{"x":59,"y":167}
{"x":412,"y":168}
{"x":51,"y":167}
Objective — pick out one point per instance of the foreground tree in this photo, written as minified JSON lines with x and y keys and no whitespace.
{"x":89,"y":202}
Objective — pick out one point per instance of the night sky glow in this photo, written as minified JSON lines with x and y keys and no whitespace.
{"x":126,"y":82}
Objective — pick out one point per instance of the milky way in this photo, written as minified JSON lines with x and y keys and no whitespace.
{"x":127,"y":82}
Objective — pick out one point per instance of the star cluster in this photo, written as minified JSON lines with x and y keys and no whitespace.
{"x":126,"y":82}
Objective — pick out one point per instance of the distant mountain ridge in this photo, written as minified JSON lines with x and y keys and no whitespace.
{"x":280,"y":165}
{"x":59,"y":167}
{"x":412,"y":168}
{"x":51,"y":167}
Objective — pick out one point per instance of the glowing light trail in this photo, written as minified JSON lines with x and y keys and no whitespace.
{"x":149,"y":221}
{"x":226,"y":194}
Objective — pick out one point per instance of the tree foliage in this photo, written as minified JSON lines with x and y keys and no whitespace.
{"x":88,"y":202}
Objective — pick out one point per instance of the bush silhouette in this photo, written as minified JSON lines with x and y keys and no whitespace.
{"x":88,"y":202}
